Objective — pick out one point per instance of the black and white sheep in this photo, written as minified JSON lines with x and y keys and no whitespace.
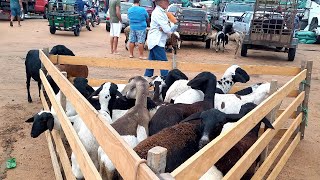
{"x":174,"y":113}
{"x":231,"y":76}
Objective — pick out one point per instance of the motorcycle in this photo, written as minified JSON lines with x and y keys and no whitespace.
{"x":93,"y":16}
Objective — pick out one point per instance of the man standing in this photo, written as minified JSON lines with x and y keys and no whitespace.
{"x":115,"y":24}
{"x":157,"y":35}
{"x":138,"y":17}
{"x":16,"y":9}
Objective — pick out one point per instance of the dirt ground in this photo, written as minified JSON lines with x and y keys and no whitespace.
{"x":32,"y":155}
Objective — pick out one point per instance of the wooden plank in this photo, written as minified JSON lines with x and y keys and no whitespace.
{"x":86,"y":165}
{"x":62,"y":155}
{"x":59,"y":146}
{"x":97,"y":82}
{"x":277,"y":169}
{"x":263,"y":169}
{"x":183,"y":66}
{"x":250,"y":69}
{"x":292,"y":116}
{"x":200,"y":162}
{"x":114,"y":63}
{"x":240,"y":168}
{"x":53,"y":155}
{"x":306,"y":100}
{"x":271,"y":116}
{"x":121,"y":155}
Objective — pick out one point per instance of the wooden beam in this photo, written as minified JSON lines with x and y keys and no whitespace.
{"x":157,"y":158}
{"x":240,"y":168}
{"x":54,"y":159}
{"x":86,"y":165}
{"x":114,"y":63}
{"x":292,"y":116}
{"x":276,"y":170}
{"x":183,"y":66}
{"x":263,"y":169}
{"x":306,"y":100}
{"x":122,"y":156}
{"x":200,"y":162}
{"x":53,"y":155}
{"x":97,"y":82}
{"x":271,"y":117}
{"x":59,"y":145}
{"x":63,"y":155}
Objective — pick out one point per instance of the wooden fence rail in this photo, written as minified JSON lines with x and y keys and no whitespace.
{"x":199,"y":163}
{"x":183,"y":66}
{"x":125,"y":159}
{"x":122,"y":156}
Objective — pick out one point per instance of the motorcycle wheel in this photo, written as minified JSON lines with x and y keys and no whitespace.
{"x":92,"y":22}
{"x":97,"y":20}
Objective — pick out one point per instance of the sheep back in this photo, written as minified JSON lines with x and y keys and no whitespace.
{"x":180,"y":140}
{"x":33,"y":64}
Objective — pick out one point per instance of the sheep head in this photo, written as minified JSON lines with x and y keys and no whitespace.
{"x":130,"y":90}
{"x":204,"y":81}
{"x":236,"y":74}
{"x":42,"y":121}
{"x":61,"y":50}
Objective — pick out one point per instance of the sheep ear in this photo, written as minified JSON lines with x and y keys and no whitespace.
{"x":95,"y":93}
{"x":50,"y":123}
{"x":197,"y":82}
{"x":30,"y":120}
{"x":267,"y":123}
{"x":192,"y":117}
{"x":233,"y":117}
{"x":121,"y":96}
{"x":241,"y":76}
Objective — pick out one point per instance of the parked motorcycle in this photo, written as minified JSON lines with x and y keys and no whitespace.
{"x":93,"y":16}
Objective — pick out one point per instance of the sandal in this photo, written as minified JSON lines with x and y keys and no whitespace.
{"x":130,"y":56}
{"x":143,"y":58}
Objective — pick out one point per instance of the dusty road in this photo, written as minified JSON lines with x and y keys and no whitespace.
{"x":33,"y":160}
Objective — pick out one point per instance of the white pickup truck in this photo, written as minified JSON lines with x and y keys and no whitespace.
{"x":311,"y":18}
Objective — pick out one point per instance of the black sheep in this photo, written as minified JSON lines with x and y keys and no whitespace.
{"x":33,"y":65}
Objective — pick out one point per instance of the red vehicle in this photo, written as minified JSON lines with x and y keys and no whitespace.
{"x":29,"y":6}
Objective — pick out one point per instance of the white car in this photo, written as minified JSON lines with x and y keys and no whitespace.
{"x":232,"y":11}
{"x":243,"y":23}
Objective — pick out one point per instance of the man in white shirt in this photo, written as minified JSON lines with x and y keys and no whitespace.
{"x":157,"y":35}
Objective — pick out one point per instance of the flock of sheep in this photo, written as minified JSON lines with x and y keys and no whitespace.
{"x":181,"y":115}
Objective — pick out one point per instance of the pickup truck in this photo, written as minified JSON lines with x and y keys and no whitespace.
{"x":29,"y":6}
{"x":193,"y":25}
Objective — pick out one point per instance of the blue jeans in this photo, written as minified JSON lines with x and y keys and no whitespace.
{"x":157,"y":53}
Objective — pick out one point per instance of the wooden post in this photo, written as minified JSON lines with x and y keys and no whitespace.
{"x":271,"y":116}
{"x":156,"y":159}
{"x":306,"y":84}
{"x":301,"y":88}
{"x":174,"y":61}
{"x":63,"y":99}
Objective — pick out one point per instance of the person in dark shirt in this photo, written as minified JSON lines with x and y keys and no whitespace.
{"x":80,"y":7}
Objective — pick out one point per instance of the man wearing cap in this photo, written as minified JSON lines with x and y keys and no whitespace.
{"x":157,"y":35}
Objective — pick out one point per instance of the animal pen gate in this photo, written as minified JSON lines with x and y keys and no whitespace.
{"x":127,"y":162}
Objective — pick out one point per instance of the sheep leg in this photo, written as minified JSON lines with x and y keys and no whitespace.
{"x":28,"y":87}
{"x":39,"y":87}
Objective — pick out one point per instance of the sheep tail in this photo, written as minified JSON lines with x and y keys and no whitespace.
{"x":136,"y":167}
